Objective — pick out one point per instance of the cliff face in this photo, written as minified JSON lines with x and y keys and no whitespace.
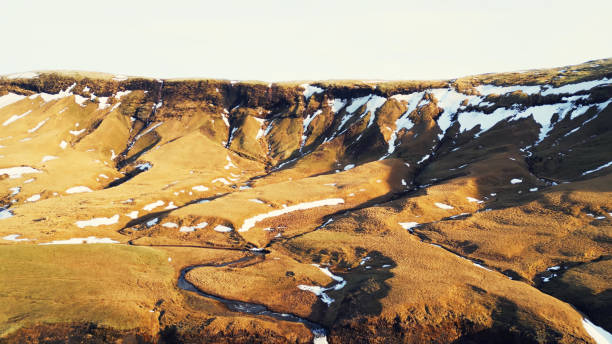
{"x":508,"y":175}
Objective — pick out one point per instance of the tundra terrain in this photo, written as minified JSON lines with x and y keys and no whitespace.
{"x":471,"y":210}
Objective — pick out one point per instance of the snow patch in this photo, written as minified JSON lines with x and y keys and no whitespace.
{"x":408,"y":225}
{"x":403,"y":122}
{"x":17,"y":172}
{"x":221,"y":180}
{"x":577,"y":87}
{"x":40,"y":124}
{"x":14,"y":237}
{"x":250,"y":222}
{"x":222,"y":229}
{"x":200,"y":188}
{"x":48,"y":158}
{"x":9,"y":99}
{"x":443,"y":206}
{"x":260,"y":132}
{"x":33,"y":198}
{"x":230,"y":164}
{"x":78,"y":189}
{"x":132,"y":214}
{"x":593,"y":170}
{"x":153,"y":205}
{"x":78,"y":241}
{"x":16,"y":117}
{"x":486,"y":90}
{"x":171,"y":206}
{"x":98,"y":221}
{"x":599,"y":335}
{"x":309,"y":90}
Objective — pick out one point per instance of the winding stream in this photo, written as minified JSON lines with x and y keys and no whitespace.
{"x":319,"y":332}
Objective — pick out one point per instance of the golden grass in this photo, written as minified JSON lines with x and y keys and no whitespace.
{"x":107,"y":284}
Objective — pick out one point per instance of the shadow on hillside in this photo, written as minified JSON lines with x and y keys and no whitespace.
{"x":508,"y":327}
{"x":365,"y":286}
{"x":596,"y":306}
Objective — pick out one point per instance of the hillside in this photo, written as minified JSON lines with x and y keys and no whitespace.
{"x":471,"y":210}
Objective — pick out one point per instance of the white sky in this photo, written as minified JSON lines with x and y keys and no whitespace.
{"x":307,"y":40}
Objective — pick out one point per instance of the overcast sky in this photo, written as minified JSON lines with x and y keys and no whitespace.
{"x":306,"y":40}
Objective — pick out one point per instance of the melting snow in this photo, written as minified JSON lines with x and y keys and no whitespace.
{"x":573,"y":88}
{"x":9,"y":99}
{"x":153,"y":205}
{"x":229,"y":163}
{"x":320,"y":291}
{"x":306,"y":123}
{"x":423,"y":159}
{"x":200,"y":188}
{"x":16,"y":117}
{"x":14,"y":237}
{"x":149,"y":129}
{"x":80,"y":100}
{"x":593,"y":170}
{"x":408,"y":225}
{"x":132,"y":214}
{"x":516,"y":181}
{"x":443,"y":206}
{"x":15,"y":190}
{"x":260,"y":132}
{"x":63,"y":144}
{"x":450,"y":101}
{"x":16,"y":172}
{"x":152,"y":222}
{"x":120,"y":94}
{"x":348,"y":167}
{"x":599,"y":335}
{"x":403,"y":122}
{"x":256,"y":200}
{"x":372,"y":102}
{"x":170,"y":225}
{"x":78,"y":189}
{"x":336,"y":104}
{"x":40,"y":124}
{"x":223,"y":229}
{"x":310,"y":90}
{"x":221,"y":180}
{"x":95,"y":222}
{"x":77,"y":241}
{"x":186,"y":229}
{"x":542,"y":114}
{"x":5,"y":213}
{"x":33,"y":198}
{"x":171,"y":206}
{"x":486,"y":90}
{"x":48,"y":158}
{"x":250,"y":222}
{"x":474,"y":200}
